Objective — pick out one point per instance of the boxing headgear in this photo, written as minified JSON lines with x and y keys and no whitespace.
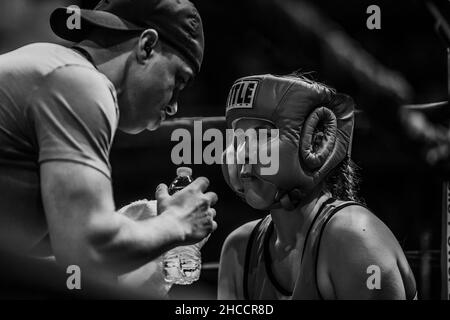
{"x":301,"y":110}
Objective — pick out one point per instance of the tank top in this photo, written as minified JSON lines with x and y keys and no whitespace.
{"x":259,"y":282}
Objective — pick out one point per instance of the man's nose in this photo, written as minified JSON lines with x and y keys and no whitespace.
{"x":172,"y":109}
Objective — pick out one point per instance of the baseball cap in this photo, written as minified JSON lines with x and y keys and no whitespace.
{"x":177,"y":21}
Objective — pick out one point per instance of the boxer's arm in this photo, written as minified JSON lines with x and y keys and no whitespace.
{"x":232,"y":259}
{"x":84,"y":228}
{"x":359,"y":258}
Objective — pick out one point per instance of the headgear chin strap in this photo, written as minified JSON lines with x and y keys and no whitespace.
{"x":315,"y":130}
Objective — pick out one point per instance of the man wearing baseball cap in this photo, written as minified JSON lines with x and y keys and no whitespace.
{"x":59,"y":110}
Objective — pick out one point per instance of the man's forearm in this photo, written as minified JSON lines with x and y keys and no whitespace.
{"x":135,"y":243}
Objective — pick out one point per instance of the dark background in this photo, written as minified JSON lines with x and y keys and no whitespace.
{"x":251,"y":37}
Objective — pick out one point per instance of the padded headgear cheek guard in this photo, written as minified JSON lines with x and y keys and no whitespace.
{"x":315,"y":129}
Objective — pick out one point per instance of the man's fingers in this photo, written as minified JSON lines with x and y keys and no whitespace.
{"x":206,"y":202}
{"x":212,"y":198}
{"x":212,"y":213}
{"x":201,"y":184}
{"x":207,"y":219}
{"x":162,"y":192}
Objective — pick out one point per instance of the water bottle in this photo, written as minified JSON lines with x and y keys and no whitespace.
{"x":182,"y":265}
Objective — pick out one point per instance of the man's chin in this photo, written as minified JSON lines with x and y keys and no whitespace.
{"x":136,"y":129}
{"x":133,"y":130}
{"x":154,"y":125}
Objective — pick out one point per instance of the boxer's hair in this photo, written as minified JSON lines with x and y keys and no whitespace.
{"x":343,"y":182}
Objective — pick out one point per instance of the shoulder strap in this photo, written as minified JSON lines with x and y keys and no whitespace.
{"x":268,"y":259}
{"x":248,"y":254}
{"x":324,"y":204}
{"x":322,"y":228}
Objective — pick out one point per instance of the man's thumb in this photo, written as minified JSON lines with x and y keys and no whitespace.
{"x":161,"y":192}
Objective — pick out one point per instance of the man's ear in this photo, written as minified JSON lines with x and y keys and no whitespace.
{"x":147,"y":42}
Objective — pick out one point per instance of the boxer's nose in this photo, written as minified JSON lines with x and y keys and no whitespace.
{"x":246,"y":171}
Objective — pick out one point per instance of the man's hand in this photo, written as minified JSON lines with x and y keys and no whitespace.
{"x":189,"y":210}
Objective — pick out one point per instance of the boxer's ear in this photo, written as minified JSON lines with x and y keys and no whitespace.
{"x":318,"y":138}
{"x":147,"y":42}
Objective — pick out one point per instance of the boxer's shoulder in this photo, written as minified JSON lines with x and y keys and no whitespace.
{"x":232,"y":261}
{"x":355,"y":234}
{"x":354,"y":245}
{"x":355,"y":221}
{"x":242,"y":233}
{"x":237,"y":240}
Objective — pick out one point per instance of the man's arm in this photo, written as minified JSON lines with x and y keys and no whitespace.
{"x":232,"y":259}
{"x":84,"y":228}
{"x":72,"y":114}
{"x":360,"y":258}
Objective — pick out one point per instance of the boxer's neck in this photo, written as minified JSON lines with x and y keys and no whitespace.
{"x":291,"y":226}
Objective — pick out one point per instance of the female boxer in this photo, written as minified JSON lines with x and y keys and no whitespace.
{"x":327,"y":246}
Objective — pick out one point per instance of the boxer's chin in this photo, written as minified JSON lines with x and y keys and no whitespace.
{"x":260,"y":200}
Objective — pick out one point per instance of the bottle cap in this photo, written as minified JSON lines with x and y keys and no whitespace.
{"x":184,"y":172}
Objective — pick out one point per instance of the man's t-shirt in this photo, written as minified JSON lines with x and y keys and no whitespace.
{"x":54,"y":106}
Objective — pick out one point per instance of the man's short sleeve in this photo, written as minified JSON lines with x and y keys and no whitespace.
{"x":74,"y":113}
